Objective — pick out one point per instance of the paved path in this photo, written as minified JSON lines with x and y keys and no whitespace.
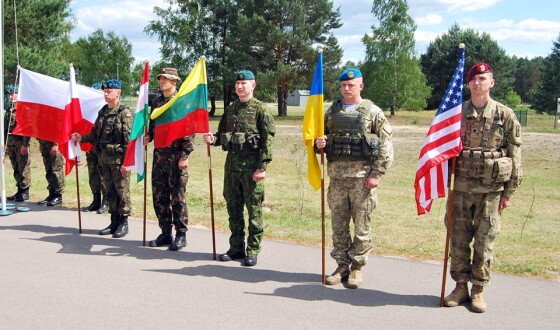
{"x":51,"y":277}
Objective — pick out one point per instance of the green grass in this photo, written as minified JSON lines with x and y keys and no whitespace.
{"x":529,"y":243}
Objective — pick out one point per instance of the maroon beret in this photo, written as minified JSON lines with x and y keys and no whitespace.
{"x":478,"y":69}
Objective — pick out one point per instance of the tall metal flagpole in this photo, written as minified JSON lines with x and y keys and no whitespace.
{"x":4,"y":211}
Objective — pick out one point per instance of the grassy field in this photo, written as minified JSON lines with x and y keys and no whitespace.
{"x":529,"y":243}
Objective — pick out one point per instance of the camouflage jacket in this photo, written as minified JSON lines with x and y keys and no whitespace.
{"x":375,"y":123}
{"x":250,"y":118}
{"x":495,"y":129}
{"x":110,"y":134}
{"x":9,"y":125}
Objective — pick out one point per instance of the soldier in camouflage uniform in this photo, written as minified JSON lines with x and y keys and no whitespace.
{"x":170,"y":174}
{"x":488,"y":173}
{"x":99,"y":203}
{"x":109,"y":136}
{"x":246,"y":131}
{"x":54,"y":168}
{"x":17,"y":149}
{"x":359,"y":151}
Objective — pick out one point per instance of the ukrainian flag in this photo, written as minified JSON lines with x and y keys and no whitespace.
{"x":314,"y":123}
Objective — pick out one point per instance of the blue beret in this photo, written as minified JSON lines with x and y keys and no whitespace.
{"x":349,"y":74}
{"x":111,"y":84}
{"x":10,"y":89}
{"x":244,"y":75}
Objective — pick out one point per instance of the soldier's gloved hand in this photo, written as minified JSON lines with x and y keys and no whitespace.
{"x":208,"y":138}
{"x":321,"y":142}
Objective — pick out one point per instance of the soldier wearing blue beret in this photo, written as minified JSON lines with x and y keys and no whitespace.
{"x":109,"y":136}
{"x":359,"y":151}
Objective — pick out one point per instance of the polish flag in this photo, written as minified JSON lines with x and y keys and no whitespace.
{"x":49,"y":109}
{"x":134,"y":158}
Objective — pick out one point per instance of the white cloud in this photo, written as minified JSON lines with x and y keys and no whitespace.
{"x":468,"y":5}
{"x":429,"y":19}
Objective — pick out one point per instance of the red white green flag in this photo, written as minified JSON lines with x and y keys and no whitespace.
{"x":135,"y":158}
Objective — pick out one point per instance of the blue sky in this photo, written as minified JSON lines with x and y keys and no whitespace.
{"x":521,"y":28}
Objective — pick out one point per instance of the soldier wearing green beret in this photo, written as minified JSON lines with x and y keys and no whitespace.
{"x":359,"y":151}
{"x":109,"y":136}
{"x":17,"y":148}
{"x":488,"y":173}
{"x":246,"y":131}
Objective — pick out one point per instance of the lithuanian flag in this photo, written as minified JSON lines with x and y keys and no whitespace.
{"x":187,"y":112}
{"x":314,"y":124}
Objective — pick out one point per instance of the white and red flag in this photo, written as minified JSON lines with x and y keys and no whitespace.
{"x":442,"y":143}
{"x":134,"y":158}
{"x":50,"y":109}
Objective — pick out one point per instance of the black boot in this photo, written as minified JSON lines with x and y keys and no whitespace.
{"x":21,"y":196}
{"x":165,"y":238}
{"x":179,"y":242}
{"x":95,"y":204}
{"x":14,"y":196}
{"x":122,"y":229}
{"x":55,"y":200}
{"x":45,"y":201}
{"x":103,"y":207}
{"x":112,"y":227}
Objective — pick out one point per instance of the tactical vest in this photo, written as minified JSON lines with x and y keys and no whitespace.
{"x":349,"y":139}
{"x":483,"y":155}
{"x":109,"y":132}
{"x":241,"y":133}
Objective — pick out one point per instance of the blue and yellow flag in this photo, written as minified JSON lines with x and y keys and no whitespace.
{"x":314,"y":124}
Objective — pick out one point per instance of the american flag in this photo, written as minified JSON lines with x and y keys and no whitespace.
{"x":442,"y":143}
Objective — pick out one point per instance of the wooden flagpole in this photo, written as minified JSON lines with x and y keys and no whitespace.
{"x":211,"y":201}
{"x":78,"y":189}
{"x":449,"y":225}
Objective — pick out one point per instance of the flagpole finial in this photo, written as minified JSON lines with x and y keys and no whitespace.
{"x":461,"y":45}
{"x":71,"y":65}
{"x":320,"y":49}
{"x":203,"y":58}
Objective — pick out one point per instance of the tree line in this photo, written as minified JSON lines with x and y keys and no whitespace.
{"x":278,"y":41}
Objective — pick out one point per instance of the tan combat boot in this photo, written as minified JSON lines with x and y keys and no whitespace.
{"x":355,"y":278}
{"x":478,"y":305}
{"x":340,"y":274}
{"x":457,"y":296}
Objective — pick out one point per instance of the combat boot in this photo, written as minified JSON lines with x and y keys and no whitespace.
{"x":340,"y":274}
{"x":45,"y":201}
{"x":457,"y":296}
{"x":13,"y":197}
{"x":95,"y":204}
{"x":21,"y":196}
{"x":122,"y":229}
{"x":179,"y":242}
{"x":112,"y":227}
{"x":55,"y":200}
{"x":478,"y":305}
{"x":355,"y":277}
{"x":104,"y":205}
{"x":165,"y":238}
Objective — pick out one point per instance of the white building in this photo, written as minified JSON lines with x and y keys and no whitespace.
{"x":298,"y":98}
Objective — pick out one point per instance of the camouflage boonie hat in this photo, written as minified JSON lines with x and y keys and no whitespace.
{"x":169,"y":73}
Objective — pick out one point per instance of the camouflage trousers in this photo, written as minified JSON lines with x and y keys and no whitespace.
{"x":54,"y":167}
{"x":21,"y":165}
{"x":117,"y":188}
{"x":475,"y":220}
{"x":240,"y":191}
{"x":169,"y":184}
{"x":93,"y":172}
{"x":348,"y":198}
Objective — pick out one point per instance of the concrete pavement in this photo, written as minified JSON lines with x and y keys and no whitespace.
{"x":52,"y":277}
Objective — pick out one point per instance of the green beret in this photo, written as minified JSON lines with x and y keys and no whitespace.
{"x":10,"y":89}
{"x":349,"y":74}
{"x":96,"y":85}
{"x":244,"y":75}
{"x":111,"y":84}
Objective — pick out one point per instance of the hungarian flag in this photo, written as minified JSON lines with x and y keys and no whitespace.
{"x":187,"y":112}
{"x":42,"y":105}
{"x":314,"y":124}
{"x":134,"y":158}
{"x":442,"y":143}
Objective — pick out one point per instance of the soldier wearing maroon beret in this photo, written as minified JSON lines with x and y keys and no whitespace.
{"x":488,"y":173}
